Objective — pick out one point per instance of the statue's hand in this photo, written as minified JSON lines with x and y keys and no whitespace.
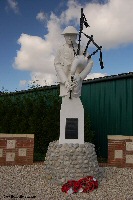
{"x":79,"y":61}
{"x":68,"y":85}
{"x":71,"y":85}
{"x":77,"y":79}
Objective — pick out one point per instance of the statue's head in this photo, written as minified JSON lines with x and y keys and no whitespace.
{"x":70,"y":34}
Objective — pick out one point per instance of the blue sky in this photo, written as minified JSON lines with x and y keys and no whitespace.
{"x":30,"y":35}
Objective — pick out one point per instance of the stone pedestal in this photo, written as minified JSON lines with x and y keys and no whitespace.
{"x":71,"y":121}
{"x":65,"y":162}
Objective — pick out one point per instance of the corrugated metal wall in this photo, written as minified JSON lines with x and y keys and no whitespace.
{"x":110,"y":105}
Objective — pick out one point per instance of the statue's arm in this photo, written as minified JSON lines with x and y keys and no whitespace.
{"x":87,"y":70}
{"x":59,"y":68}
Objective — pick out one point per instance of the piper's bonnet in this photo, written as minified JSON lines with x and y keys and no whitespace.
{"x":70,"y":30}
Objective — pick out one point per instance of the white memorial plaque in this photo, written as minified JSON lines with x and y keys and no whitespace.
{"x":1,"y":152}
{"x":22,"y":152}
{"x":129,"y":146}
{"x":129,"y":159}
{"x":10,"y":156}
{"x":118,"y":154}
{"x":11,"y":144}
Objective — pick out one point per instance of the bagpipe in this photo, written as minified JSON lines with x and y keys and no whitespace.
{"x":83,"y":22}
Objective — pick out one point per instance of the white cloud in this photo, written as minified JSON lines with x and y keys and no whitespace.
{"x":22,"y":84}
{"x":43,"y":78}
{"x":35,"y":54}
{"x":38,"y":79}
{"x":13,"y":4}
{"x":110,"y":24}
{"x":41,"y":16}
{"x":95,"y":75}
{"x":71,"y":14}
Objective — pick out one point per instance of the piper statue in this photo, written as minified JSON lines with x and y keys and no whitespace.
{"x":71,"y":70}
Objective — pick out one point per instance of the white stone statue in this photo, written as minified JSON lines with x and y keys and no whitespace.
{"x":67,"y":65}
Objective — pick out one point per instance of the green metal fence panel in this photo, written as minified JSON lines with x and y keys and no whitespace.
{"x":110,"y":106}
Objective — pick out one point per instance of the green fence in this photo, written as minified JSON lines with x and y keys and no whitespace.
{"x":109,"y":102}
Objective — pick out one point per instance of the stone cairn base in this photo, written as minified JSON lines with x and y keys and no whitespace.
{"x":65,"y":162}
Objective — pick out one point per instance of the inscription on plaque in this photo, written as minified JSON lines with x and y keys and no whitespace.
{"x":10,"y":156}
{"x":22,"y":152}
{"x":11,"y":144}
{"x":129,"y":159}
{"x":129,"y":146}
{"x":71,"y":128}
{"x":118,"y":154}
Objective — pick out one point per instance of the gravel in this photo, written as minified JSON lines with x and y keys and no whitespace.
{"x":25,"y":182}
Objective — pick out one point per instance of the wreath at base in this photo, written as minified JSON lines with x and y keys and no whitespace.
{"x":87,"y":184}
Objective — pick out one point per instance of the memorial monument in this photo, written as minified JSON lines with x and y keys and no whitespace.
{"x":71,"y":157}
{"x":71,"y":71}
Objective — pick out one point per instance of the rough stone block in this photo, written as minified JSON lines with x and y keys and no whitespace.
{"x":1,"y":152}
{"x":22,"y":152}
{"x":118,"y":154}
{"x":10,"y":156}
{"x":129,"y":146}
{"x":11,"y":144}
{"x":129,"y":159}
{"x":74,"y":165}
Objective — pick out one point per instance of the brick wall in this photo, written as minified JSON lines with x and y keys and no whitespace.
{"x":16,"y":149}
{"x":120,"y":151}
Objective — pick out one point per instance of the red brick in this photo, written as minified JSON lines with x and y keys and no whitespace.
{"x":20,"y":143}
{"x":111,"y":165}
{"x":119,"y":146}
{"x":111,"y":144}
{"x":128,"y":140}
{"x":111,"y":152}
{"x":129,"y":152}
{"x":111,"y":156}
{"x":129,"y":164}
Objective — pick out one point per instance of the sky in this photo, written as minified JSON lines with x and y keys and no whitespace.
{"x":30,"y":34}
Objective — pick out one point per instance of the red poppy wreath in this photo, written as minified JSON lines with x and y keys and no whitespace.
{"x":87,"y":184}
